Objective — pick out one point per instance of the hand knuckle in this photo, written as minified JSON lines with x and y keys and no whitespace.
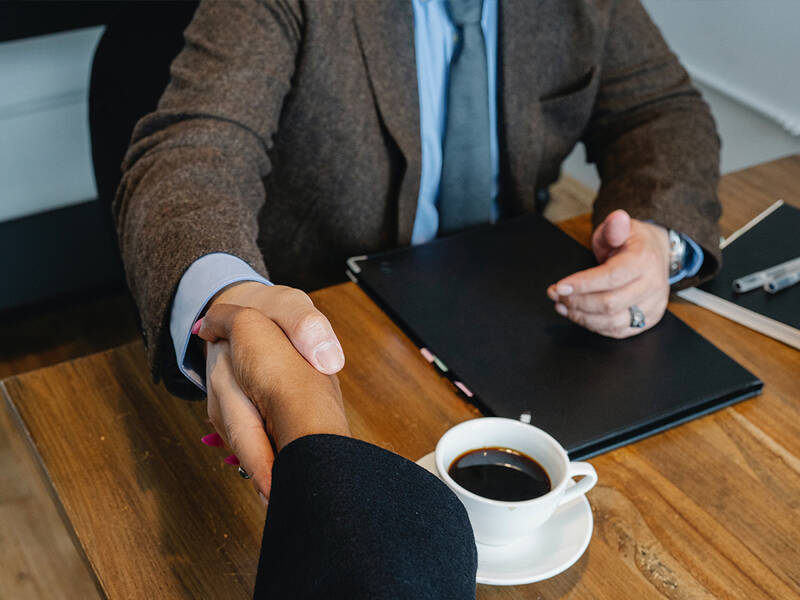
{"x":279,"y":290}
{"x":296,"y":296}
{"x":311,"y":321}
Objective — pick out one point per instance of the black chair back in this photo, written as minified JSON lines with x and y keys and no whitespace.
{"x":129,"y":74}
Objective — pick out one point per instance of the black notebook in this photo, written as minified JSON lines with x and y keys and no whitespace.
{"x":772,"y":240}
{"x":476,"y":303}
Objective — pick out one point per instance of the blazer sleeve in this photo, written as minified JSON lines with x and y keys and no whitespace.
{"x":347,"y":519}
{"x":192,"y":182}
{"x":653,"y":138}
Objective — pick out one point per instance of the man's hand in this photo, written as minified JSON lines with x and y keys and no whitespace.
{"x":634,"y":271}
{"x":267,"y":362}
{"x":293,"y":311}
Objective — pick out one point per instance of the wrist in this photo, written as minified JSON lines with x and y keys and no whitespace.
{"x":662,"y":243}
{"x":283,"y":438}
{"x":318,"y":411}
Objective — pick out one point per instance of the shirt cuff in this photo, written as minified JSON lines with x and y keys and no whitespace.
{"x":692,"y":261}
{"x":200,"y":283}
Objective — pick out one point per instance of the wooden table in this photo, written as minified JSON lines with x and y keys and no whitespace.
{"x":709,"y":509}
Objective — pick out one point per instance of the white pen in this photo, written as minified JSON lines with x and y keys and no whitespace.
{"x":783,"y":281}
{"x":761,"y":278}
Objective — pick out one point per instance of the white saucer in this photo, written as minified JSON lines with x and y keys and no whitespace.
{"x":554,"y":547}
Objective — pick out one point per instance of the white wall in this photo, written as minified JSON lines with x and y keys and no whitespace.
{"x":746,"y":49}
{"x":45,"y":156}
{"x":744,"y":56}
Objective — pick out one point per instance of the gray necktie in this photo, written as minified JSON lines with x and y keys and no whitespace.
{"x":465,"y":189}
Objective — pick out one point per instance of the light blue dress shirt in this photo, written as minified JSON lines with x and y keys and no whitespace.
{"x":434,"y":44}
{"x":692,"y":261}
{"x":199,"y":284}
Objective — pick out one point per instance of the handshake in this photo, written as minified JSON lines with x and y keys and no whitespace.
{"x":263,"y":392}
{"x":271,"y":356}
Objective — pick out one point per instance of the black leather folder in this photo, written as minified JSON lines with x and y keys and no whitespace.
{"x":772,"y":241}
{"x":477,"y":301}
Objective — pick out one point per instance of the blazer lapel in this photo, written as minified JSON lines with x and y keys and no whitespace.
{"x":519,"y":118}
{"x":386,"y":35}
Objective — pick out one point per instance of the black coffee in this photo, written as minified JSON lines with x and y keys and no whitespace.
{"x":500,"y":474}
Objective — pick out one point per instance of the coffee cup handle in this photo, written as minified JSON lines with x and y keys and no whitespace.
{"x":589,"y":478}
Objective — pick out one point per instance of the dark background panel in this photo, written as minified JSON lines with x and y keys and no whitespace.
{"x":73,"y":250}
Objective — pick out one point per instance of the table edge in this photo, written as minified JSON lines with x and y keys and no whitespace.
{"x":43,"y":473}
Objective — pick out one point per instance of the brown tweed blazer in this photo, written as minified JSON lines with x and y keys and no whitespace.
{"x":289,"y":136}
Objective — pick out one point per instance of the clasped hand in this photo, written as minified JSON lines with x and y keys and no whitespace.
{"x":270,"y":359}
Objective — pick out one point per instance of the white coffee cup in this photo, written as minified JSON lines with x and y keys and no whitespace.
{"x":497,"y":522}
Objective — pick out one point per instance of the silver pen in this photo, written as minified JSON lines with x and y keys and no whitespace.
{"x":783,"y":281}
{"x":761,"y":278}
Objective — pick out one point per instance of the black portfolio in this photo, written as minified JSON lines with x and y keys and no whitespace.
{"x":771,"y":242}
{"x":477,"y":302}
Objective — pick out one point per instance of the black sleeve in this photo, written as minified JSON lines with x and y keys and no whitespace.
{"x":347,"y":519}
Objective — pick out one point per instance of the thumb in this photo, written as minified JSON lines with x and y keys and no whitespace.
{"x":304,"y":326}
{"x":611,"y":234}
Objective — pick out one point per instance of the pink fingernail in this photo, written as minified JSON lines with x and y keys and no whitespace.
{"x":212,"y":439}
{"x":561,"y":309}
{"x":196,"y":327}
{"x":231,"y":460}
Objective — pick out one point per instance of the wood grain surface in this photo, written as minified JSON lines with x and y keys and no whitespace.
{"x":43,"y":335}
{"x":706,"y":510}
{"x":37,"y":556}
